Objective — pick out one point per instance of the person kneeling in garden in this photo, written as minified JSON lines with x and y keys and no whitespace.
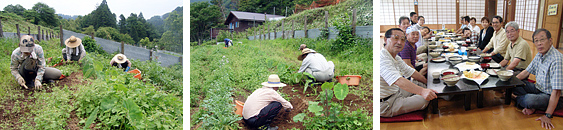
{"x":28,"y":64}
{"x":316,"y":64}
{"x":121,"y":61}
{"x":74,"y":50}
{"x":264,"y":104}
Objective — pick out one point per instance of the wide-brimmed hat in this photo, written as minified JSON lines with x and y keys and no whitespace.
{"x":303,"y":52}
{"x":119,"y":58}
{"x":273,"y":81}
{"x":302,"y":46}
{"x":73,"y":42}
{"x":26,"y":43}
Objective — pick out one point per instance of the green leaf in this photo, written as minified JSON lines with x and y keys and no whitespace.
{"x":299,"y":117}
{"x":307,"y":85}
{"x":327,"y":85}
{"x":315,"y":108}
{"x":340,"y":91}
{"x":133,"y":112}
{"x":108,"y":103}
{"x":91,"y":118}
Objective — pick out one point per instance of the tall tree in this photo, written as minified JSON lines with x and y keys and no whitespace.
{"x":172,"y":39}
{"x":122,"y":24}
{"x":103,"y":17}
{"x":16,"y":9}
{"x":203,"y":17}
{"x":261,"y":6}
{"x":46,"y":15}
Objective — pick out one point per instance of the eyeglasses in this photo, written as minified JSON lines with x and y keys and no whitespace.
{"x":496,"y":22}
{"x":398,"y":38}
{"x":540,"y":40}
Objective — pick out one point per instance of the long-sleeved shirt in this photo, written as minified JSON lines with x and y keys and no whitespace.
{"x":76,"y":51}
{"x":499,"y":42}
{"x":261,"y":98}
{"x":18,"y":58}
{"x":314,"y":61}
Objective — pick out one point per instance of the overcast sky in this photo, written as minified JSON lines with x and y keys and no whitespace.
{"x":83,"y":7}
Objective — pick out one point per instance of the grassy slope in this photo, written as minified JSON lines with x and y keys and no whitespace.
{"x":316,"y":18}
{"x":246,"y":65}
{"x":9,"y":21}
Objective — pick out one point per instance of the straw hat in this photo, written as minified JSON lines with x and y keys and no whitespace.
{"x":302,"y":46}
{"x":26,"y":43}
{"x":73,"y":42}
{"x":119,"y":58}
{"x":303,"y":52}
{"x":273,"y":81}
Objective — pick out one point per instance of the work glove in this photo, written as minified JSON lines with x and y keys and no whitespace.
{"x":21,"y":81}
{"x":127,"y":69}
{"x":38,"y":84}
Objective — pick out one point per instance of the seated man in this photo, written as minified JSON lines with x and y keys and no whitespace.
{"x":498,"y":42}
{"x":28,"y":65}
{"x":545,"y":94}
{"x":518,"y":53}
{"x":264,"y":104}
{"x":408,"y":54}
{"x":121,"y":61}
{"x":316,"y":64}
{"x":74,"y":50}
{"x":466,"y":33}
{"x":398,"y":95}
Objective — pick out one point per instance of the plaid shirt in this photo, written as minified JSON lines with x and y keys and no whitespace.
{"x":548,"y":69}
{"x":18,"y":58}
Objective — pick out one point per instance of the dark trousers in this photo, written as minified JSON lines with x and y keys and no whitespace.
{"x":529,"y":96}
{"x":72,"y":57}
{"x":497,"y":58}
{"x":265,"y":116}
{"x":123,"y":65}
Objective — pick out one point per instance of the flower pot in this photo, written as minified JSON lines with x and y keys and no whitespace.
{"x":352,"y":80}
{"x":238,"y":107}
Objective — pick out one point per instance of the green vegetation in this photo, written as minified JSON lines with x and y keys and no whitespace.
{"x":112,"y":100}
{"x":9,"y":21}
{"x":39,"y":14}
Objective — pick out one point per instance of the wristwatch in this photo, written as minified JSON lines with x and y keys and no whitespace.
{"x":548,"y":115}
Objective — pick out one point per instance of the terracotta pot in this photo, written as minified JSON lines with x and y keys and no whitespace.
{"x":352,"y":80}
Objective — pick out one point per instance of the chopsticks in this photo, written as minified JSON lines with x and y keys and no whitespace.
{"x":450,"y":77}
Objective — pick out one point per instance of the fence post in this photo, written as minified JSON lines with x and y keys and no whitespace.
{"x":18,"y":28}
{"x":180,"y":60}
{"x":92,"y":35}
{"x":1,"y":31}
{"x":38,"y":33}
{"x":306,"y":26}
{"x":354,"y":19}
{"x":122,"y":47}
{"x":292,"y":28}
{"x":28,"y":30}
{"x":326,"y":24}
{"x":61,"y":34}
{"x":43,"y":35}
{"x":283,"y":33}
{"x":150,"y":55}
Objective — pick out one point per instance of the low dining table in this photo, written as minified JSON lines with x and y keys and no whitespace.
{"x":466,"y":87}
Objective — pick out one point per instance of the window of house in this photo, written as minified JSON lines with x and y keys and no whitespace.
{"x":472,"y":8}
{"x":500,"y":8}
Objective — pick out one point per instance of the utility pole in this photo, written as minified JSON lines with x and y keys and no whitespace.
{"x":274,"y":10}
{"x":286,"y":11}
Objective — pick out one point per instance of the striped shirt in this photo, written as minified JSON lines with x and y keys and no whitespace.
{"x":548,"y":69}
{"x":18,"y":58}
{"x":391,"y":69}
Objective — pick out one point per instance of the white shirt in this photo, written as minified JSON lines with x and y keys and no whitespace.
{"x":476,"y":29}
{"x":315,"y":61}
{"x":391,"y":69}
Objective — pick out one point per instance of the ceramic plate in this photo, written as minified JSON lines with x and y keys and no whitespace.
{"x":492,"y":72}
{"x":494,"y":65}
{"x":439,"y":59}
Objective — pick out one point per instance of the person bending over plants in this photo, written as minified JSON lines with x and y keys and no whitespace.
{"x":74,"y":50}
{"x":316,"y":64}
{"x":264,"y":104}
{"x":121,"y":61}
{"x":28,"y":65}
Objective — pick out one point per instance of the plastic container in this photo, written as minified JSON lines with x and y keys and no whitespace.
{"x":238,"y":107}
{"x":137,"y":72}
{"x":352,"y":80}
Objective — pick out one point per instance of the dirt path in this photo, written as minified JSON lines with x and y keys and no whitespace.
{"x":300,"y":103}
{"x":16,"y":109}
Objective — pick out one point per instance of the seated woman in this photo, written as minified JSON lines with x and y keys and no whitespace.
{"x":121,"y":61}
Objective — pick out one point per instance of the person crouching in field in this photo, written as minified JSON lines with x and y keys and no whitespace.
{"x":28,"y":64}
{"x":316,"y":64}
{"x":264,"y":104}
{"x":74,"y":50}
{"x":121,"y":61}
{"x":228,"y":42}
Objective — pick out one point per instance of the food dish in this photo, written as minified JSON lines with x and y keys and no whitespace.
{"x":494,"y":65}
{"x":438,"y":59}
{"x":492,"y":72}
{"x":475,"y":75}
{"x":449,"y":71}
{"x":504,"y":75}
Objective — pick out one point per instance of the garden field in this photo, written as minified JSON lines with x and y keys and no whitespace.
{"x":219,"y":76}
{"x":93,"y":95}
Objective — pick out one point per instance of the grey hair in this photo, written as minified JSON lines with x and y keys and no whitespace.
{"x":511,"y":24}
